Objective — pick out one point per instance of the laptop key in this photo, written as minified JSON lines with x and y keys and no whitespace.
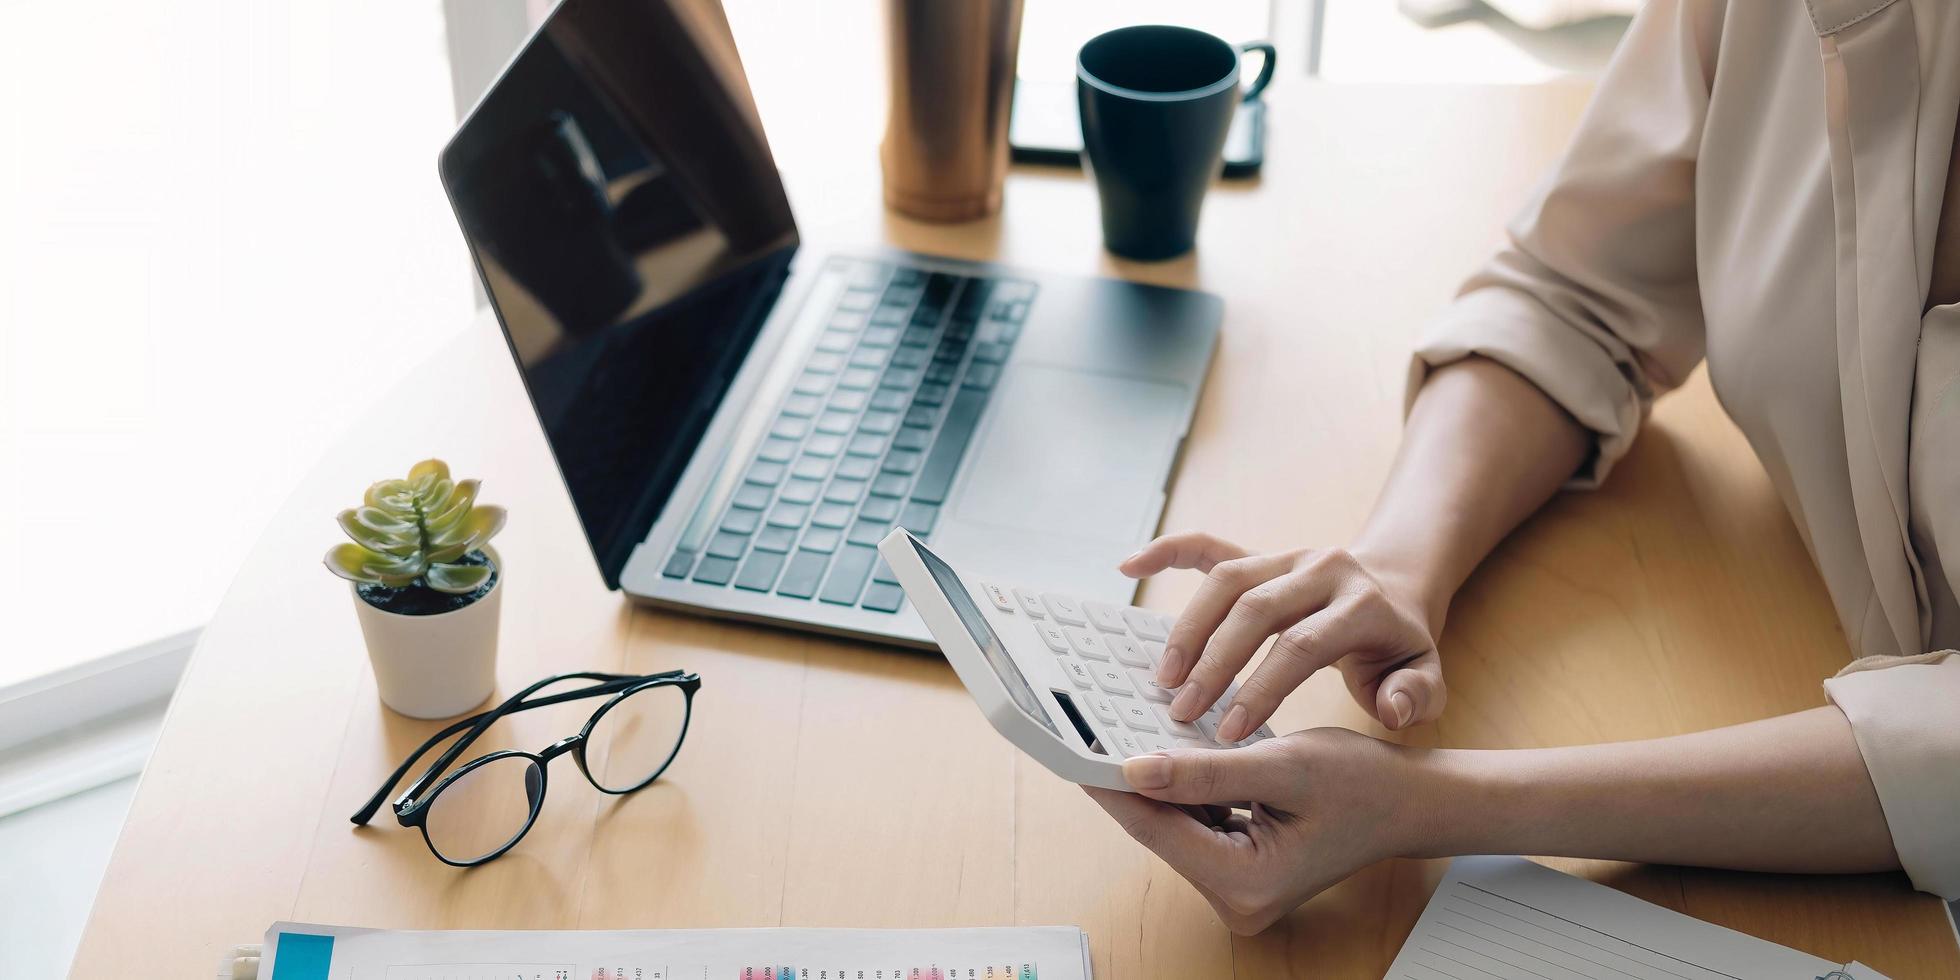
{"x":930,"y":394}
{"x":911,"y":440}
{"x":679,"y":565}
{"x":824,"y":539}
{"x":825,"y":362}
{"x":801,"y":406}
{"x":919,"y":335}
{"x":868,"y":532}
{"x":752,"y":497}
{"x":847,"y":574}
{"x":790,"y":427}
{"x":890,"y":485}
{"x":857,"y":300}
{"x":777,"y":450}
{"x":741,"y":521}
{"x":942,"y":372}
{"x":789,"y":515}
{"x":848,"y":401}
{"x":905,"y":378}
{"x":759,"y":572}
{"x":800,"y":491}
{"x":766,"y":473}
{"x":918,"y":518}
{"x":810,"y":468}
{"x":990,"y":353}
{"x":858,"y":379}
{"x":921,"y":416}
{"x":879,"y":337}
{"x":884,"y":574}
{"x":962,"y":417}
{"x":715,"y":571}
{"x":869,"y":357}
{"x":847,"y":319}
{"x":727,"y":544}
{"x":842,"y":491}
{"x":890,"y":316}
{"x":982,"y":376}
{"x":878,"y":423}
{"x":879,"y":509}
{"x":888,"y":400}
{"x":883,"y":598}
{"x":831,"y":515}
{"x":909,"y":357}
{"x":856,"y":468}
{"x":836,"y":423}
{"x":824,"y":444}
{"x":804,"y":572}
{"x":777,"y":539}
{"x":866,"y":444}
{"x":835,"y":341}
{"x":903,"y":460}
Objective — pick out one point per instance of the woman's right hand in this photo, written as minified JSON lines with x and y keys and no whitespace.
{"x":1326,"y":606}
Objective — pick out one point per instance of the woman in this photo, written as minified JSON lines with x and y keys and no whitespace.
{"x":1771,"y":185}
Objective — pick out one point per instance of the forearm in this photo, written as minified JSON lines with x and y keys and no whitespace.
{"x":1482,"y":450}
{"x":1785,"y":794}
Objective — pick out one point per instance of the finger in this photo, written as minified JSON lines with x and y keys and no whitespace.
{"x":1412,"y":693}
{"x":1186,"y":549}
{"x":1301,"y":649}
{"x":1260,"y":773}
{"x":1263,"y":610}
{"x":1221,"y":588}
{"x":1191,"y":848}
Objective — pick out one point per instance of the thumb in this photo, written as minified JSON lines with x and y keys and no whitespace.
{"x":1258,"y":773}
{"x":1412,"y":694}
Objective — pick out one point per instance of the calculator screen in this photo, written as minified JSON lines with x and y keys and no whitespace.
{"x":984,"y":637}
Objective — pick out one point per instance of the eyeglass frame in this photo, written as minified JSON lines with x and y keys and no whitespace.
{"x":412,"y":807}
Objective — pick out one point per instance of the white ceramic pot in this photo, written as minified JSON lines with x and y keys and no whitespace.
{"x":435,"y":666}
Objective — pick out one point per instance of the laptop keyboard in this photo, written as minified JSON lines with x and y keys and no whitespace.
{"x":869,"y":436}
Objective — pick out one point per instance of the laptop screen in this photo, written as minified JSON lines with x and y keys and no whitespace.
{"x":627,"y":219}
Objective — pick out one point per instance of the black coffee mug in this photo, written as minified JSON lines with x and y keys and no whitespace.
{"x":1156,"y":104}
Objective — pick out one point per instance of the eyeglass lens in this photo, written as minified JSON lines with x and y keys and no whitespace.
{"x":636,"y":738}
{"x":484,"y":809}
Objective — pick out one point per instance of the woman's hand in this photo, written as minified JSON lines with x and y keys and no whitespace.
{"x":1326,"y":606}
{"x":1325,"y":805}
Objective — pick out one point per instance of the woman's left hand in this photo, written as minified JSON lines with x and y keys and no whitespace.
{"x":1324,"y":805}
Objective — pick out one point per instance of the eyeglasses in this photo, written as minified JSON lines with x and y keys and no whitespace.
{"x":484,"y":808}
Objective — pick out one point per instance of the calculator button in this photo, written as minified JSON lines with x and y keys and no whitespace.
{"x":1077,"y":674}
{"x":1192,"y":743}
{"x":1031,"y":604}
{"x":1064,"y":608}
{"x":999,"y":597}
{"x":1155,"y":651}
{"x":1104,"y":708}
{"x":1112,"y":679}
{"x":1179,"y":728}
{"x":1147,"y":686}
{"x":1086,"y":643}
{"x":1106,"y":617}
{"x":1125,"y":744}
{"x":1127,"y":651}
{"x":1135,"y":715}
{"x":1208,"y":726}
{"x":1145,"y":625}
{"x":1052,"y":635}
{"x":1154,"y":743}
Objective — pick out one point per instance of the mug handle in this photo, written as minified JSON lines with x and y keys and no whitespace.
{"x":1265,"y":68}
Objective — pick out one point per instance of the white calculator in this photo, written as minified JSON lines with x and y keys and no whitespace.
{"x":1072,"y":683}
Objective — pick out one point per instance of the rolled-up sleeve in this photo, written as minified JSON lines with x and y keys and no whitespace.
{"x":1593,"y":295}
{"x":1905,"y":714}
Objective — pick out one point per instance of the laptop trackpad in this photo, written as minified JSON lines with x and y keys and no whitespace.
{"x":1072,"y":454}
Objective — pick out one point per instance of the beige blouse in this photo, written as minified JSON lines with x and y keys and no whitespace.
{"x":1760,"y":183}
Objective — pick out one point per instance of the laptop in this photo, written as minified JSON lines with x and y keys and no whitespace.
{"x":739,"y":415}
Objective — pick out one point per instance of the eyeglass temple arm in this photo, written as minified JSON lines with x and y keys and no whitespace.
{"x":610,"y":683}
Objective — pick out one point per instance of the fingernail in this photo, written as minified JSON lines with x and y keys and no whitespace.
{"x":1233,"y":727}
{"x":1133,"y":557}
{"x":1404,"y":708}
{"x":1167,"y":667}
{"x":1189,"y":702}
{"x":1151,"y":771}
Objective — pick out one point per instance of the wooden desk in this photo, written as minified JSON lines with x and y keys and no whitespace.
{"x":1677,"y":599}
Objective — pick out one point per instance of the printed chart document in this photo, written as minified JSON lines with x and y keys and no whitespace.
{"x":298,"y":951}
{"x":1508,"y":917}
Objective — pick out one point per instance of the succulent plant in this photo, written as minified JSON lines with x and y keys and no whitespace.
{"x":413,"y":531}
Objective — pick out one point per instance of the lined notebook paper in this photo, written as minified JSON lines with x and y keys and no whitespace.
{"x":1508,"y":917}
